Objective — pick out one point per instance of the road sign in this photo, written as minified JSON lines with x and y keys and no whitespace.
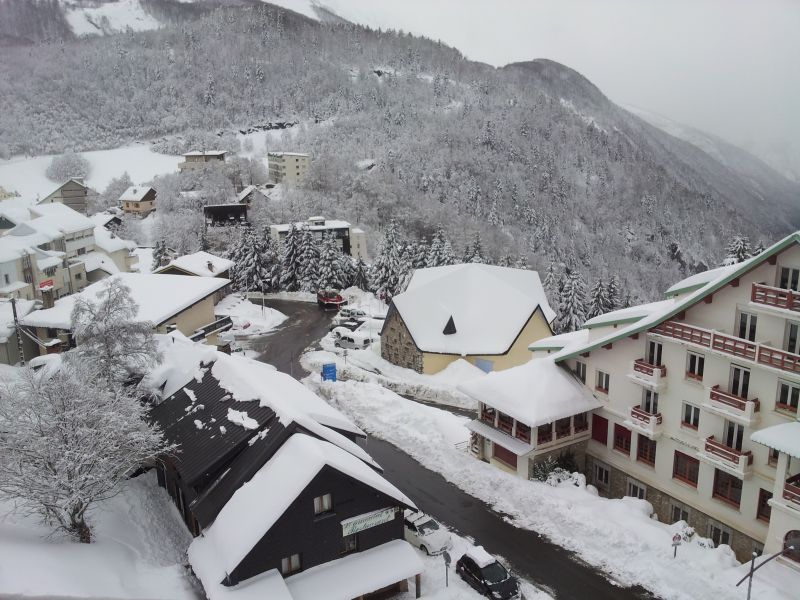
{"x":329,"y":372}
{"x":676,"y":541}
{"x":446,"y":557}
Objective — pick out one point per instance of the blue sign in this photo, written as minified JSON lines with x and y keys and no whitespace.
{"x":329,"y":372}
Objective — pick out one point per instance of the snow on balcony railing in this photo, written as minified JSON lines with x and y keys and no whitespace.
{"x":773,"y":296}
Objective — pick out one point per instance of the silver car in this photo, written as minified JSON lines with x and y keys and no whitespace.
{"x":425,"y":533}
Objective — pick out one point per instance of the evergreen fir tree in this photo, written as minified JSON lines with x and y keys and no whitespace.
{"x":347,"y":267}
{"x":252,"y":275}
{"x":271,"y":259}
{"x":521,"y":263}
{"x":361,"y":277}
{"x":330,"y":272}
{"x":572,"y":302}
{"x":598,"y":301}
{"x":758,"y":248}
{"x":477,"y":250}
{"x":204,"y":246}
{"x":161,"y":255}
{"x":448,"y":256}
{"x":612,"y":294}
{"x":309,"y":262}
{"x":552,"y":280}
{"x":435,"y":250}
{"x":420,"y":259}
{"x":290,"y":261}
{"x":738,"y":250}
{"x":385,"y":273}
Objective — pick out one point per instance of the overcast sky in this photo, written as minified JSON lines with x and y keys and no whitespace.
{"x":729,"y":67}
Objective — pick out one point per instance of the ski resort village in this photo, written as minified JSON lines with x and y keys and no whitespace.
{"x":295,"y":305}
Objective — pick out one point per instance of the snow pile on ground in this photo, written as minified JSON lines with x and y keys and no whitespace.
{"x":145,"y":256}
{"x":296,"y":296}
{"x":615,"y":535}
{"x":249,"y":319}
{"x":368,"y":365}
{"x":139,"y":551}
{"x":366,"y":301}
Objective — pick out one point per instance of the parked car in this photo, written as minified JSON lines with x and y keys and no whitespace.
{"x":486,"y":575}
{"x":345,"y":327}
{"x":329,"y":299}
{"x":425,"y":533}
{"x":353,"y":341}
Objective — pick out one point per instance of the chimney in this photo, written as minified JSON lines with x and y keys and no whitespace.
{"x":47,"y":297}
{"x":210,"y":266}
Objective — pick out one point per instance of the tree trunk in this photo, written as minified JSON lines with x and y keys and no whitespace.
{"x":79,"y":526}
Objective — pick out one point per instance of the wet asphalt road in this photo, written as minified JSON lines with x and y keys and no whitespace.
{"x":549,"y":566}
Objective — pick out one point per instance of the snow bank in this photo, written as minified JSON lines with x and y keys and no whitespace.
{"x":249,"y":319}
{"x":615,"y":535}
{"x":145,"y":264}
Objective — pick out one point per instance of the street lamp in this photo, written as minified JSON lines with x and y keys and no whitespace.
{"x":754,"y":568}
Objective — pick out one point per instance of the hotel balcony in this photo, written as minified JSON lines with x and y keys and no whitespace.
{"x":648,"y":375}
{"x":742,"y":349}
{"x":767,"y":295}
{"x":734,"y":461}
{"x":791,"y":491}
{"x":735,"y":408}
{"x":645,"y":422}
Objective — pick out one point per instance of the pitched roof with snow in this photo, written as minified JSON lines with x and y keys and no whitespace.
{"x":202,"y":264}
{"x":159,"y":297}
{"x":60,"y":218}
{"x":256,"y":507}
{"x":135,"y":193}
{"x":94,"y":261}
{"x":536,"y":393}
{"x":629,"y":314}
{"x":561,"y":341}
{"x":109,"y":242}
{"x":7,"y":327}
{"x":698,"y":280}
{"x":16,"y":209}
{"x":783,"y":438}
{"x":488,"y":305}
{"x":206,"y":153}
{"x":328,"y":224}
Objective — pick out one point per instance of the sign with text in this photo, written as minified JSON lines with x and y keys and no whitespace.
{"x":329,"y":372}
{"x":368,"y":520}
{"x":47,"y":283}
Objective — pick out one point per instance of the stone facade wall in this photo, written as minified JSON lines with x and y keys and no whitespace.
{"x":397,"y":346}
{"x":578,"y":449}
{"x":743,"y":545}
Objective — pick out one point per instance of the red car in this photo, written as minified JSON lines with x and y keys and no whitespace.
{"x":329,"y":299}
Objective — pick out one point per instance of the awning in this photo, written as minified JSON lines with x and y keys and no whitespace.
{"x":357,"y":574}
{"x":516,"y":446}
{"x":783,"y":438}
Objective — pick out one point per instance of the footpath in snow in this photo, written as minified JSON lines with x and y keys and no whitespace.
{"x":617,"y":536}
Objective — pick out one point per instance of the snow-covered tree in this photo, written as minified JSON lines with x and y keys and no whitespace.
{"x":69,"y":443}
{"x":571,"y":302}
{"x":612,"y":293}
{"x":385,"y":273}
{"x":552,"y":280}
{"x":290,"y":260}
{"x":598,"y":301}
{"x":476,"y":250}
{"x":448,"y":256}
{"x":67,"y":166}
{"x":110,"y":336}
{"x":361,"y":276}
{"x":161,"y":255}
{"x":738,"y":250}
{"x":253,"y":274}
{"x":330,"y":275}
{"x":309,"y":262}
{"x":110,"y":196}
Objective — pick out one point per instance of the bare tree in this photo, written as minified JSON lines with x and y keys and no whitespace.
{"x":68,"y":442}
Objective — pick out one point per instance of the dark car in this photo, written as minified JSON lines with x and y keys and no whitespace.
{"x":484,"y":573}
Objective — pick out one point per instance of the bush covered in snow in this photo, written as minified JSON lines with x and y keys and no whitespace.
{"x":67,"y":166}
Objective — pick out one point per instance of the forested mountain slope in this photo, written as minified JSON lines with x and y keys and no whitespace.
{"x":533,"y":156}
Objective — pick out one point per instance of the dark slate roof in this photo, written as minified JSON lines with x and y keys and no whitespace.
{"x":193,"y":420}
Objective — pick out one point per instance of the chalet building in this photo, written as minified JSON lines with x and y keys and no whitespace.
{"x":225,"y":215}
{"x":72,"y":193}
{"x":289,"y":168}
{"x":170,"y":302}
{"x":250,"y":195}
{"x":198,"y":159}
{"x":485,"y":314}
{"x":269,"y":479}
{"x":351,"y":240}
{"x":201,"y":264}
{"x":138,"y":200}
{"x":699,"y":396}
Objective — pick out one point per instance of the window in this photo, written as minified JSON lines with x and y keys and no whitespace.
{"x":600,"y":429}
{"x":678,"y":512}
{"x":523,"y":432}
{"x":78,"y":276}
{"x":739,"y":381}
{"x":622,"y":439}
{"x":581,"y":421}
{"x":734,"y":434}
{"x":650,"y":401}
{"x":686,"y":468}
{"x":789,"y":279}
{"x":504,"y":455}
{"x":603,"y":381}
{"x":792,"y":343}
{"x":563,"y":427}
{"x":323,"y":504}
{"x":719,"y":534}
{"x":691,"y":416}
{"x":636,"y":489}
{"x":290,"y":564}
{"x":349,"y":544}
{"x":81,"y":251}
{"x":747,"y":326}
{"x":646,"y":450}
{"x":695,"y":363}
{"x":727,"y":488}
{"x":788,"y":396}
{"x":764,"y":509}
{"x":601,"y":475}
{"x":505,"y":423}
{"x":654,"y":350}
{"x":580,"y":371}
{"x":544,"y":433}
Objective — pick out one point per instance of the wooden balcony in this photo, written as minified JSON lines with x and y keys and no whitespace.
{"x":646,"y":422}
{"x":775,"y":297}
{"x":640,"y":365}
{"x":652,"y":376}
{"x":487,"y":416}
{"x":728,"y":344}
{"x":791,"y":491}
{"x":728,"y":405}
{"x":737,"y":461}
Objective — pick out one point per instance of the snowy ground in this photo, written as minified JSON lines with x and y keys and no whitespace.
{"x":249,"y":320}
{"x":139,"y":551}
{"x":145,"y":256}
{"x":295,"y":296}
{"x":615,"y":535}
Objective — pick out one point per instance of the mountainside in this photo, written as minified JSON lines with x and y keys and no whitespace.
{"x":532,"y":156}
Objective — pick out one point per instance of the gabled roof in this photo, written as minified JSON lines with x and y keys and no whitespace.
{"x":58,"y":218}
{"x":489,"y":307}
{"x":198,"y":264}
{"x":679,"y":304}
{"x":135,"y":193}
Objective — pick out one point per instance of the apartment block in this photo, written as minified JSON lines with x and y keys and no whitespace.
{"x":288,"y":167}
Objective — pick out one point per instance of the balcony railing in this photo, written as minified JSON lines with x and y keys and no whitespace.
{"x":776,"y":297}
{"x":648,"y":422}
{"x":737,"y":459}
{"x":505,"y":425}
{"x":791,"y":490}
{"x":218,"y":326}
{"x":643,"y":372}
{"x":728,"y":344}
{"x":487,"y":417}
{"x":544,"y":437}
{"x":737,"y":402}
{"x":640,"y":365}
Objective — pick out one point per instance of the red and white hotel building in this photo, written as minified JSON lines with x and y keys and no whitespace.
{"x":698,"y":401}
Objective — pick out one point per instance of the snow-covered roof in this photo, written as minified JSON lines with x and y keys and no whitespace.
{"x":245,"y":193}
{"x":59,"y":217}
{"x":24,"y":240}
{"x":199,"y":263}
{"x":16,"y":209}
{"x":98,"y":260}
{"x":698,"y":280}
{"x":481,"y":557}
{"x":629,"y":314}
{"x":7,"y":316}
{"x":159,"y":298}
{"x":206,"y":153}
{"x":561,"y":341}
{"x":135,"y":193}
{"x":301,"y":154}
{"x":329,"y":224}
{"x":103,"y":218}
{"x":256,"y":506}
{"x":536,"y":393}
{"x":784,"y":438}
{"x":489,"y":306}
{"x":110,"y":242}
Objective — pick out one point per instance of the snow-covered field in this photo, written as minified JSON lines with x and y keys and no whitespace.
{"x":249,"y":319}
{"x":615,"y":535}
{"x":139,"y":551}
{"x":116,"y":16}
